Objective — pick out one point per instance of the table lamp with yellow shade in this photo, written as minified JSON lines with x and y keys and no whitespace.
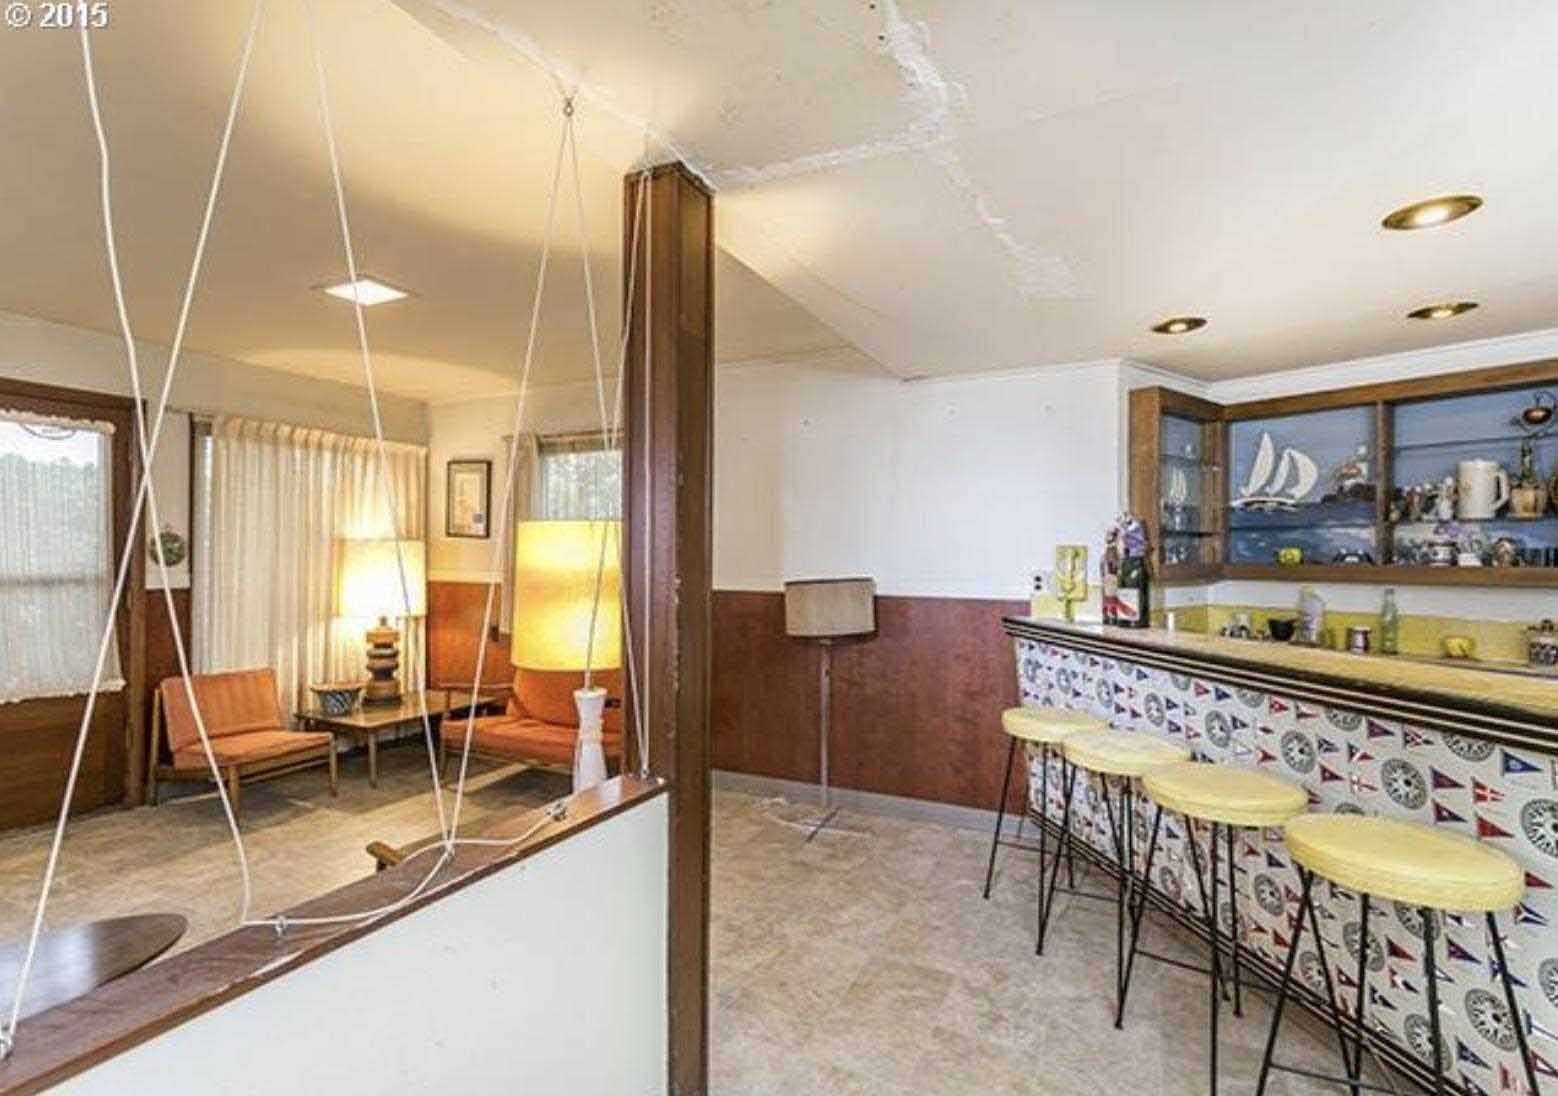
{"x":568,"y":618}
{"x":370,"y":588}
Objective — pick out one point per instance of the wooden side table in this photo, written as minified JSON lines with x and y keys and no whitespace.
{"x":76,"y":960}
{"x":369,"y":721}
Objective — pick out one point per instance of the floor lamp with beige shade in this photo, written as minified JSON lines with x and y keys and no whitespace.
{"x":568,"y":618}
{"x":370,"y":588}
{"x":827,"y":610}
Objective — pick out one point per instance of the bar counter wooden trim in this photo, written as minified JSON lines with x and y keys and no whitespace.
{"x":1508,"y":708}
{"x":64,"y":1041}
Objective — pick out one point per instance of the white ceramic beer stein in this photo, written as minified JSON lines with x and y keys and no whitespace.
{"x":1482,"y":488}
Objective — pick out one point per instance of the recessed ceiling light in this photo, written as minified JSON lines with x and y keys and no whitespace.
{"x":1441,"y":311}
{"x":1179,"y":325}
{"x":366,"y":291}
{"x":1433,"y":212}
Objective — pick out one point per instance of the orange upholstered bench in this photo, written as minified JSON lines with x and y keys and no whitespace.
{"x":541,"y":725}
{"x":249,"y":738}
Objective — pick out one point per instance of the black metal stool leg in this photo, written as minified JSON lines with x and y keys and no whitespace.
{"x":1233,"y":919}
{"x":1068,"y":774}
{"x":1216,"y":951}
{"x":1195,"y":864}
{"x":1431,"y":976}
{"x":1119,"y":905}
{"x":1043,"y":822}
{"x":1000,"y":813}
{"x":1287,"y":980}
{"x":1140,"y":915}
{"x":1509,"y":1000}
{"x":1330,"y":995}
{"x":1361,"y":1001}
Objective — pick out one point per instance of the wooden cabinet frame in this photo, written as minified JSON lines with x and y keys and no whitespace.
{"x":1149,"y":405}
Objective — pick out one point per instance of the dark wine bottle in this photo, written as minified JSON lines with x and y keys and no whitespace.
{"x":1133,"y":605}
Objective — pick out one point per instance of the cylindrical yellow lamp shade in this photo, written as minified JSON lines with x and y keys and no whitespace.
{"x":555,"y":566}
{"x":370,"y":583}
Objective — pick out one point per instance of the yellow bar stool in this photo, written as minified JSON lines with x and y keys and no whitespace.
{"x":1417,"y":865}
{"x":1223,"y":797}
{"x":1125,"y":756}
{"x":1036,"y":728}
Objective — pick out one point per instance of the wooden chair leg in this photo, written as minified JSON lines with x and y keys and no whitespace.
{"x":335,"y":786}
{"x":233,"y":792}
{"x":151,"y":750}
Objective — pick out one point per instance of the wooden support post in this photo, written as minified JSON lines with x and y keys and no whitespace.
{"x":669,"y":417}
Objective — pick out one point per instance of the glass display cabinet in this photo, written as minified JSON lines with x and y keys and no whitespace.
{"x":1177,"y":440}
{"x":1445,"y":480}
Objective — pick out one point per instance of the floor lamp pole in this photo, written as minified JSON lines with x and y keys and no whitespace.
{"x":825,"y":705}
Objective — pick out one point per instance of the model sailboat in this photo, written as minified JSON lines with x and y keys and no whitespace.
{"x":1268,"y":486}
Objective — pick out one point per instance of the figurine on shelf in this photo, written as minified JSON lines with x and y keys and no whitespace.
{"x":1444,"y":501}
{"x":1528,"y":495}
{"x":1506,"y":552}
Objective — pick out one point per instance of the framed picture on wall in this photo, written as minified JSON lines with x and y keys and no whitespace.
{"x":468,"y":499}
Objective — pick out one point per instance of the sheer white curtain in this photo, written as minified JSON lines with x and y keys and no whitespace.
{"x":56,"y":555}
{"x":272,"y":504}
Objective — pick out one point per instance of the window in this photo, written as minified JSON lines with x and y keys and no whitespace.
{"x":56,"y":537}
{"x":580,"y":478}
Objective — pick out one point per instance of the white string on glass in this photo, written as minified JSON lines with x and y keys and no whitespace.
{"x":145,"y":496}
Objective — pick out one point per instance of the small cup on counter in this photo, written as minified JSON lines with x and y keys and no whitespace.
{"x":1458,"y":646}
{"x":1358,"y":638}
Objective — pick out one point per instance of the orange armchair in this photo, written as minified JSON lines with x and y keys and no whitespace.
{"x":249,"y":737}
{"x":541,"y":725}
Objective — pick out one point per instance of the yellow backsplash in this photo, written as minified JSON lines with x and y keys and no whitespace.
{"x":1496,"y":640}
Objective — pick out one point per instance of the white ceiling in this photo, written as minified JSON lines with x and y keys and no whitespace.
{"x":976,"y":184}
{"x":447,"y":167}
{"x":947,"y":185}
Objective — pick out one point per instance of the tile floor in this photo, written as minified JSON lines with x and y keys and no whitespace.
{"x":178,"y":858}
{"x":871,"y":966}
{"x":851,"y":966}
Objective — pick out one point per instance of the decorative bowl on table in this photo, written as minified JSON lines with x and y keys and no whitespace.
{"x":337,"y":697}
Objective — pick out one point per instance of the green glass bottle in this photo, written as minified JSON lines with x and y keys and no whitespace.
{"x":1389,"y":625}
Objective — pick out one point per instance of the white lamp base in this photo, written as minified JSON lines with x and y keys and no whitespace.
{"x":589,"y":755}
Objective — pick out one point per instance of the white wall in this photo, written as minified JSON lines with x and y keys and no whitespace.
{"x":547,"y":977}
{"x":72,"y":357}
{"x":962,"y":487}
{"x":954,"y":487}
{"x":474,"y":430}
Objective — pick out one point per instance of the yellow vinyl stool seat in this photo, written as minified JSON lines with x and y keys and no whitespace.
{"x":1229,"y":798}
{"x":1048,"y":725}
{"x":1222,"y":793}
{"x":1415,"y":865}
{"x":1121,"y":753}
{"x":1408,"y":862}
{"x":1039,"y":729}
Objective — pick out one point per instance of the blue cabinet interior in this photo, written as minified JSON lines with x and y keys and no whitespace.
{"x":1306,"y":486}
{"x":1305,"y":483}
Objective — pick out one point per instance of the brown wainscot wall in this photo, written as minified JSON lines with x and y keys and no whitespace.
{"x":916,"y":708}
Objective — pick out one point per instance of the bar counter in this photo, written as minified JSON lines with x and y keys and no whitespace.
{"x":1456,"y":695}
{"x":1444,"y":745}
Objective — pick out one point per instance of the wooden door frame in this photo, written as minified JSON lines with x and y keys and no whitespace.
{"x":48,"y":399}
{"x":668,"y":520}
